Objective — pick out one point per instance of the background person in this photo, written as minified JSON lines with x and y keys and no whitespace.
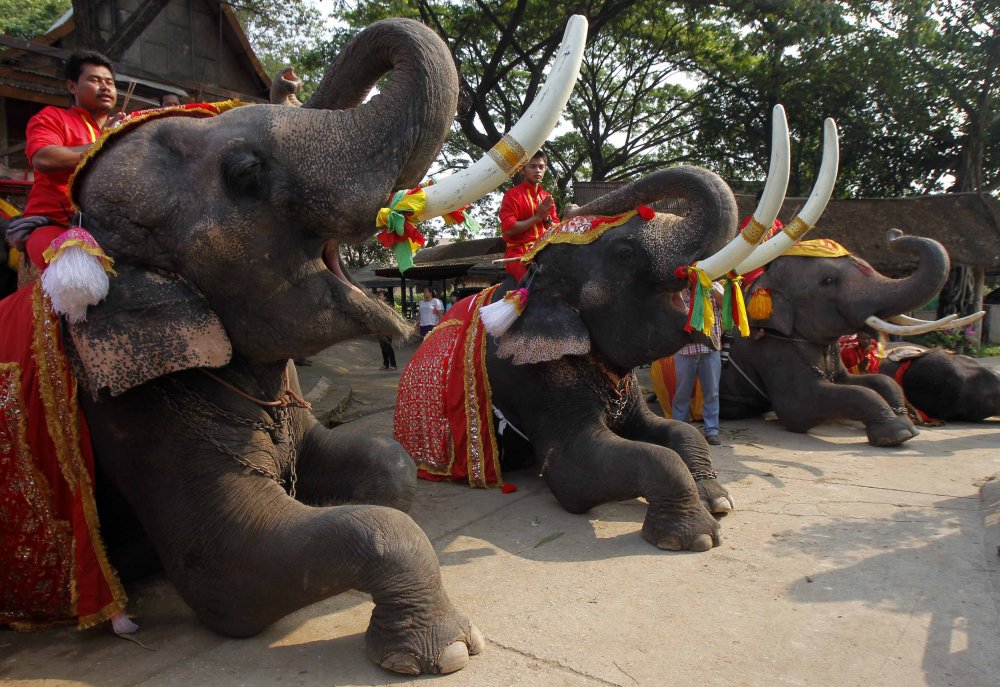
{"x":431,"y":309}
{"x":697,"y":361}
{"x":526,"y":211}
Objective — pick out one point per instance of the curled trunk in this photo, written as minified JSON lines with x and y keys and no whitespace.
{"x":389,"y":141}
{"x":710,"y":222}
{"x":903,"y":295}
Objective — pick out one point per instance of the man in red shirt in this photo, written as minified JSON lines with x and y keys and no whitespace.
{"x":526,"y":211}
{"x":57,"y":139}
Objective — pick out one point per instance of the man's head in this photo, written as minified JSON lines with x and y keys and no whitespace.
{"x":534,"y":170}
{"x":90,"y":79}
{"x":428,"y":294}
{"x":169,"y":100}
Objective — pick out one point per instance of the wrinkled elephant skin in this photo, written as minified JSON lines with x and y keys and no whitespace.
{"x":225,"y":233}
{"x":791,"y":362}
{"x":946,"y":386}
{"x":562,"y":372}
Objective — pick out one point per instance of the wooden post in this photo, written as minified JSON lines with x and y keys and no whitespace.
{"x":402,"y":293}
{"x":979,"y":283}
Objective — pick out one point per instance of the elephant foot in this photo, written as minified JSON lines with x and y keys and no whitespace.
{"x":714,"y":496}
{"x":892,"y":432}
{"x":695,"y":531}
{"x":443,"y":647}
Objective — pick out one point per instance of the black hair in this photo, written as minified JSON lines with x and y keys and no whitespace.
{"x":75,"y":62}
{"x":542,"y":154}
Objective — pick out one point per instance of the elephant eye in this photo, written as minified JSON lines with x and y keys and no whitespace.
{"x":828,"y":281}
{"x":622,"y":251}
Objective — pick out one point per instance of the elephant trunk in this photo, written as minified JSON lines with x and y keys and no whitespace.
{"x":708,"y":225}
{"x":899,"y":296}
{"x":387,"y":143}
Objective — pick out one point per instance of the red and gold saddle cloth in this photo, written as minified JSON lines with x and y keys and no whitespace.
{"x":444,"y":411}
{"x":53,"y":567}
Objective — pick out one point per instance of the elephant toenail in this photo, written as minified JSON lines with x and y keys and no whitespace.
{"x":454,"y":657}
{"x":401,"y":663}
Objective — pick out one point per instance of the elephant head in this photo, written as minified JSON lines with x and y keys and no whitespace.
{"x":226,"y":230}
{"x":620,"y":296}
{"x":823,"y":298}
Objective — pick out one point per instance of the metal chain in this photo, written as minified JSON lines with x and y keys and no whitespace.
{"x":277,"y":431}
{"x":620,"y":396}
{"x":704,"y":474}
{"x":257,"y":424}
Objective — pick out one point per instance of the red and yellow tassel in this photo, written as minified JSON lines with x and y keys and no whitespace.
{"x":760,"y":307}
{"x":400,"y":234}
{"x":734,"y":312}
{"x":701,"y":314}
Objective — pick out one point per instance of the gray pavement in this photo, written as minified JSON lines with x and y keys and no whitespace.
{"x":843,"y":564}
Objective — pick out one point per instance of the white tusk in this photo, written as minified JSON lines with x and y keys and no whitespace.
{"x":767,"y":210}
{"x":900,"y":329}
{"x":806,"y":219}
{"x":906,"y":320}
{"x":967,"y":320}
{"x":522,"y":141}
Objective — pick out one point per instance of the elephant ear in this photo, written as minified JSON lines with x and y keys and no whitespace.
{"x":151,"y":324}
{"x":768,"y":307}
{"x":547,"y":330}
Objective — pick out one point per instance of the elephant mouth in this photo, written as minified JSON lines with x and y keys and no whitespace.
{"x":334,"y":264}
{"x":677,"y":303}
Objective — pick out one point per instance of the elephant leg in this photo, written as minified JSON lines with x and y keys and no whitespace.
{"x":801,"y":407}
{"x":342,"y":465}
{"x":884,"y":386}
{"x":690,"y":445}
{"x":244,"y":554}
{"x":595,"y":468}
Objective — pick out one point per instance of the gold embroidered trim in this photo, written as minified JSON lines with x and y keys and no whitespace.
{"x":753,"y":231}
{"x":508,"y":154}
{"x":57,"y":388}
{"x":797,"y":228}
{"x":36,"y":489}
{"x":52,"y":380}
{"x":559,"y":234}
{"x":442,"y":325}
{"x":132,"y":122}
{"x":476,"y":425}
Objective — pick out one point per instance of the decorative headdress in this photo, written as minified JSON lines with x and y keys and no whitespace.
{"x":499,"y":316}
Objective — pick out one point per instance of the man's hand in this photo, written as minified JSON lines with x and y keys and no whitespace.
{"x":544,"y":208}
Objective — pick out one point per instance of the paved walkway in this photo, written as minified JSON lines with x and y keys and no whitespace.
{"x":843,"y":564}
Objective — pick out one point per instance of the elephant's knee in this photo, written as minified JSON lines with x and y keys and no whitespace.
{"x":392,"y":478}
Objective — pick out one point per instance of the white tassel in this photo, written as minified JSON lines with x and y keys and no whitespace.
{"x":499,"y":316}
{"x":122,"y":625}
{"x":74,"y":281}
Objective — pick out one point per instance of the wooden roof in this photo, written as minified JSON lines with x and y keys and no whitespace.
{"x":195,"y":48}
{"x":967,"y":224}
{"x":472,"y":258}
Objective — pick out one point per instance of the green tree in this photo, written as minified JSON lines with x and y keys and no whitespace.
{"x":30,"y":18}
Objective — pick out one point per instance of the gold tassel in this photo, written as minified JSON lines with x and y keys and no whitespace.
{"x":760,"y":307}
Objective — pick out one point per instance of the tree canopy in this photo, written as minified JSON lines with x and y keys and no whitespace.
{"x":913,"y":85}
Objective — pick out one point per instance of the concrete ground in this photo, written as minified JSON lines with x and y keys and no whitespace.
{"x":843,"y":564}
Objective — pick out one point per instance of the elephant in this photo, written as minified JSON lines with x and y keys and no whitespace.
{"x":602,"y":295}
{"x":562,"y":375}
{"x":798,"y":309}
{"x":225,"y":233}
{"x":944,"y":385}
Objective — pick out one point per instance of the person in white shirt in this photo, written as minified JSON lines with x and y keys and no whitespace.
{"x":431,"y":310}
